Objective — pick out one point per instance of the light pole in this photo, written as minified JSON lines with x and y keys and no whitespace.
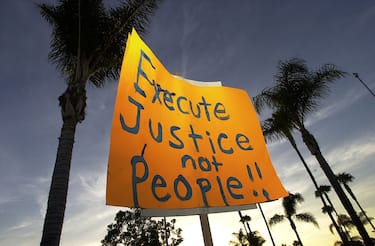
{"x":364,"y":84}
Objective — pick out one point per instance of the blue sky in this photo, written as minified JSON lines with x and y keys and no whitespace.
{"x":236,"y":42}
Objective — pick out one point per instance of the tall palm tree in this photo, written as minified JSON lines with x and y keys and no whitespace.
{"x":253,"y":237}
{"x":87,"y":46}
{"x":297,"y":93}
{"x":322,"y":191}
{"x":290,"y":213}
{"x":346,"y":178}
{"x":276,"y":128}
{"x":245,"y":219}
{"x":345,"y":221}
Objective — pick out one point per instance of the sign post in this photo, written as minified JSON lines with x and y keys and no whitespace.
{"x":206,"y":232}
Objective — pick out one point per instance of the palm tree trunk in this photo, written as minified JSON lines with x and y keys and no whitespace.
{"x":54,"y":219}
{"x":295,"y":230}
{"x":351,"y":193}
{"x":265,"y":221}
{"x":72,"y":104}
{"x":331,"y":204}
{"x":313,"y":147}
{"x":338,"y":229}
{"x":342,"y":229}
{"x":246,"y":225}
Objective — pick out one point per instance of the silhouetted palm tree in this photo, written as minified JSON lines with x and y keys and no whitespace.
{"x":323,"y":191}
{"x":345,"y":221}
{"x":245,"y":219}
{"x":243,"y":240}
{"x":290,"y":213}
{"x":252,"y":236}
{"x":297,"y":93}
{"x":346,"y":178}
{"x":256,"y":239}
{"x":276,"y":128}
{"x":354,"y":241}
{"x":87,"y":46}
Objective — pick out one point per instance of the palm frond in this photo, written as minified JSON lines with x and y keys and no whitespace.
{"x":338,"y":243}
{"x":331,"y":227}
{"x":241,"y":238}
{"x":308,"y":218}
{"x":323,"y":189}
{"x":245,"y":218}
{"x":278,"y":126}
{"x":356,"y":239}
{"x":291,"y":70}
{"x":277,"y":218}
{"x":256,"y":239}
{"x":327,"y":209}
{"x":67,"y":36}
{"x":270,"y":130}
{"x":106,"y":62}
{"x":133,"y":14}
{"x":364,"y":218}
{"x":344,"y":177}
{"x":48,"y":12}
{"x":290,"y":203}
{"x":100,"y":36}
{"x":298,"y":89}
{"x":265,"y":98}
{"x":344,"y":220}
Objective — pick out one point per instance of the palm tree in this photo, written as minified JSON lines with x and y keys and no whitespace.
{"x":87,"y":47}
{"x":256,"y":239}
{"x":354,"y":241}
{"x":345,"y":178}
{"x":276,"y":128}
{"x":344,"y":221}
{"x":245,"y":219}
{"x":297,"y":93}
{"x":290,"y":213}
{"x":323,"y":191}
{"x":243,"y":240}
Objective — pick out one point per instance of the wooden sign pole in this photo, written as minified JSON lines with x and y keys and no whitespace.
{"x":205,"y":224}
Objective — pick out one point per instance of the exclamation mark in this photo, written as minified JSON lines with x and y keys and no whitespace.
{"x":252,"y":178}
{"x":258,"y":170}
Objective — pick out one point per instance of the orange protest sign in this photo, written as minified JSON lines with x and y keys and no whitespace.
{"x":179,"y":145}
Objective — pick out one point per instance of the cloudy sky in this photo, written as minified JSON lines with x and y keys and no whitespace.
{"x":237,"y":42}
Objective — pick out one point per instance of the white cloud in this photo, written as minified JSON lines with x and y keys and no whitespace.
{"x":352,"y":154}
{"x":337,"y":106}
{"x":23,"y":224}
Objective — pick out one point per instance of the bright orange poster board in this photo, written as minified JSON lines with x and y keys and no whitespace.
{"x":179,"y":145}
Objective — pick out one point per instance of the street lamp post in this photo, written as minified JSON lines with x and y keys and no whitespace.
{"x":364,"y":84}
